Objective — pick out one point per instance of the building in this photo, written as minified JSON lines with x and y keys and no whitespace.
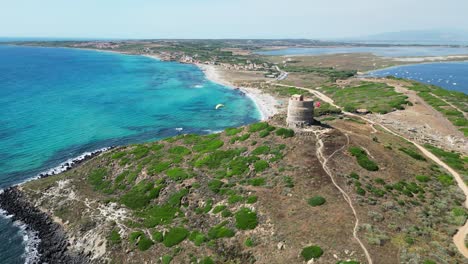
{"x":300,"y":111}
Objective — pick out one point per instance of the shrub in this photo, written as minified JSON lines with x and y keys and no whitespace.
{"x":220,"y":231}
{"x":157,"y":236}
{"x":218,"y":209}
{"x":226,"y":213}
{"x":348,"y":262}
{"x":174,"y":199}
{"x":285,"y":133}
{"x":179,"y":150}
{"x":159,"y":167}
{"x":288,"y":181}
{"x":144,"y":243}
{"x":140,"y":195}
{"x":158,"y":215}
{"x":215,"y":185}
{"x":96,"y":179}
{"x":260,"y":165}
{"x":264,"y":133}
{"x":422,"y":178}
{"x":415,"y":155}
{"x":257,"y":181}
{"x":207,"y":260}
{"x":140,"y":151}
{"x":233,"y":131}
{"x":362,"y":159}
{"x":249,"y":242}
{"x":235,"y":199}
{"x":114,"y":237}
{"x":197,"y":238}
{"x":445,"y":179}
{"x":316,"y":201}
{"x":133,"y":237}
{"x":261,"y":150}
{"x":166,"y":259}
{"x":311,"y":252}
{"x":246,"y":219}
{"x":244,"y":137}
{"x":354,"y":175}
{"x":208,"y":145}
{"x":177,"y":174}
{"x":174,"y":236}
{"x":258,"y":126}
{"x":360,"y":191}
{"x":252,"y":199}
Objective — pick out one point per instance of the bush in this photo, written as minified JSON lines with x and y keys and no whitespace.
{"x":257,"y":181}
{"x":445,"y":179}
{"x":233,"y":131}
{"x":264,"y":133}
{"x":207,"y":260}
{"x":174,"y":236}
{"x":288,"y":181}
{"x":159,"y":167}
{"x":316,"y":201}
{"x":261,"y":150}
{"x":215,"y":185}
{"x":252,"y":199}
{"x":249,"y":242}
{"x":285,"y":133}
{"x":166,"y":259}
{"x":179,"y":150}
{"x":362,"y":159}
{"x":413,"y":154}
{"x":208,"y":145}
{"x":218,"y":209}
{"x":114,"y":237}
{"x":177,"y":174}
{"x":360,"y":191}
{"x":157,"y":236}
{"x":144,"y":243}
{"x":158,"y":215}
{"x":220,"y":231}
{"x":422,"y":178}
{"x":246,"y":219}
{"x":348,"y":262}
{"x":96,"y":179}
{"x":140,"y":195}
{"x":311,"y":252}
{"x":197,"y":238}
{"x":258,"y":126}
{"x":354,"y":175}
{"x":260,"y":165}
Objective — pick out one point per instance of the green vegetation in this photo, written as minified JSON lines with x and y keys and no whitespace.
{"x":453,"y":159}
{"x":375,"y":97}
{"x":257,"y":181}
{"x":114,"y":237}
{"x":362,"y":159}
{"x":316,"y":201}
{"x":261,"y":165}
{"x":258,"y":127}
{"x":415,"y":155}
{"x":422,"y":178}
{"x":332,"y":73}
{"x":285,"y":133}
{"x":174,"y":236}
{"x":249,"y":242}
{"x":311,"y":252}
{"x":233,"y":131}
{"x":442,"y":100}
{"x":197,"y":238}
{"x":246,"y":219}
{"x":177,"y":174}
{"x":157,"y":236}
{"x":220,"y":231}
{"x":97,"y":179}
{"x":144,"y":243}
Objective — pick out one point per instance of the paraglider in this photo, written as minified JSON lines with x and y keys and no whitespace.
{"x":219,"y":106}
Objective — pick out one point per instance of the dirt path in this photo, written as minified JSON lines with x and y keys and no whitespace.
{"x":324,"y":160}
{"x":459,"y":238}
{"x":452,"y":105}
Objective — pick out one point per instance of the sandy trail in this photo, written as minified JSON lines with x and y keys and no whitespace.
{"x":459,"y":238}
{"x":324,"y":160}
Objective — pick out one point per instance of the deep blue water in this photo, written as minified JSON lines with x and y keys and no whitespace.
{"x":57,"y":103}
{"x":449,"y":75}
{"x":379,"y":51}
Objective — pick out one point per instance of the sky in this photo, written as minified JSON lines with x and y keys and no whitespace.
{"x":313,"y":19}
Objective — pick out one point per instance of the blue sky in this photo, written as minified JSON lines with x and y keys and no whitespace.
{"x":226,"y":18}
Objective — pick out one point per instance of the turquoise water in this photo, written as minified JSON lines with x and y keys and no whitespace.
{"x":379,"y":51}
{"x":449,"y":75}
{"x":58,"y":103}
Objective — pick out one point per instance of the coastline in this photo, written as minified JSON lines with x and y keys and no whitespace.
{"x":265,"y":103}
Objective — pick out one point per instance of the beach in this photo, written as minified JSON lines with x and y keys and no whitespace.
{"x":266,"y":104}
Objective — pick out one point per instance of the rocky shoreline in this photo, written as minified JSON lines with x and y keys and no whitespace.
{"x":53,"y":245}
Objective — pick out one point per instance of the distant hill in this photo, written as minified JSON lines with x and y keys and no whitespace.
{"x":436,"y":37}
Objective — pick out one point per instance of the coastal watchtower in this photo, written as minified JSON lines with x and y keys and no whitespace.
{"x":300,"y":111}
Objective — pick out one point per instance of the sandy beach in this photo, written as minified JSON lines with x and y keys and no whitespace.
{"x":266,"y":104}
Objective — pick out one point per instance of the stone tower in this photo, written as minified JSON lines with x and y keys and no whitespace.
{"x":300,"y":111}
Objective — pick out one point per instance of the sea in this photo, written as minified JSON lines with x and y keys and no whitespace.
{"x":449,"y":75}
{"x":395,"y":51}
{"x":57,"y":103}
